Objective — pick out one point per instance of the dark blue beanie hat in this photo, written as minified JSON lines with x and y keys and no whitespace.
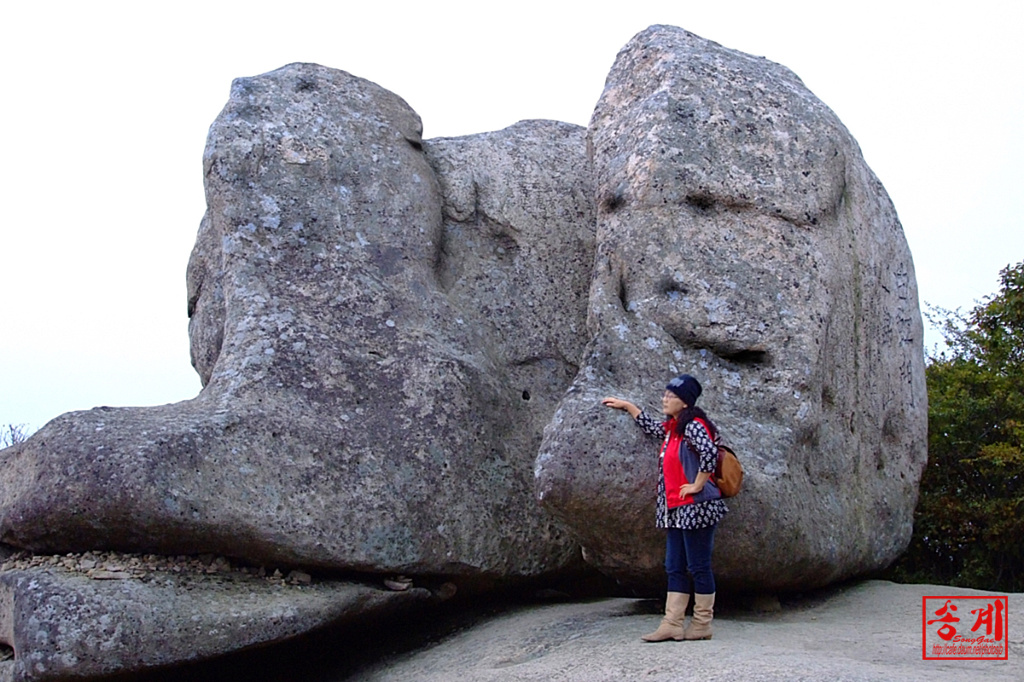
{"x":686,"y":387}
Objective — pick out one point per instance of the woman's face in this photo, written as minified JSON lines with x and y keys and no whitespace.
{"x":671,"y":404}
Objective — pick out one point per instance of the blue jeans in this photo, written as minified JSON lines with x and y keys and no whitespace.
{"x":690,"y":550}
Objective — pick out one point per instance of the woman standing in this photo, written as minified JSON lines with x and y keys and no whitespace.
{"x":689,"y":505}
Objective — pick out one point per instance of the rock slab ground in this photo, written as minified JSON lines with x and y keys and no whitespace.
{"x":864,"y":632}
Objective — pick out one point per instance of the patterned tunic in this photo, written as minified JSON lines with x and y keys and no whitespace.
{"x":688,"y":516}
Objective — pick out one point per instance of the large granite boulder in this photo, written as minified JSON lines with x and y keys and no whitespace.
{"x":742,"y":239}
{"x":375,"y":347}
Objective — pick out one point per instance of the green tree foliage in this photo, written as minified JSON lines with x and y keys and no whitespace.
{"x":969,"y":521}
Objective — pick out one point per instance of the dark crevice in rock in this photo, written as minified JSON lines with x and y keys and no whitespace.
{"x":700,"y":201}
{"x":668,"y":287}
{"x":891,"y":427}
{"x":623,"y":293}
{"x":707,"y":203}
{"x":614,"y":199}
{"x":745,"y":356}
{"x":193,"y":300}
{"x":808,"y":437}
{"x":538,"y":359}
{"x":444,"y":269}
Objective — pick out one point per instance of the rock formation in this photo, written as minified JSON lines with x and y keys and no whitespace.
{"x":403,"y":345}
{"x":741,"y":238}
{"x":65,"y":625}
{"x":369,"y":404}
{"x":375,"y":345}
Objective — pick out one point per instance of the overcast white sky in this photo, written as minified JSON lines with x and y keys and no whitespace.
{"x":106,"y":106}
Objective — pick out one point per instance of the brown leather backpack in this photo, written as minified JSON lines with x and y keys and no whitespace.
{"x":728,"y":472}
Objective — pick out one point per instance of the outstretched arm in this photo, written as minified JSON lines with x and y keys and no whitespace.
{"x":651,"y":427}
{"x":619,"y":404}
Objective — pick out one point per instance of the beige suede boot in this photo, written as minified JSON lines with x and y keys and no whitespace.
{"x":671,"y":626}
{"x":703,"y":613}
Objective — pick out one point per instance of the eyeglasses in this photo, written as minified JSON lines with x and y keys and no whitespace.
{"x":668,"y":395}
